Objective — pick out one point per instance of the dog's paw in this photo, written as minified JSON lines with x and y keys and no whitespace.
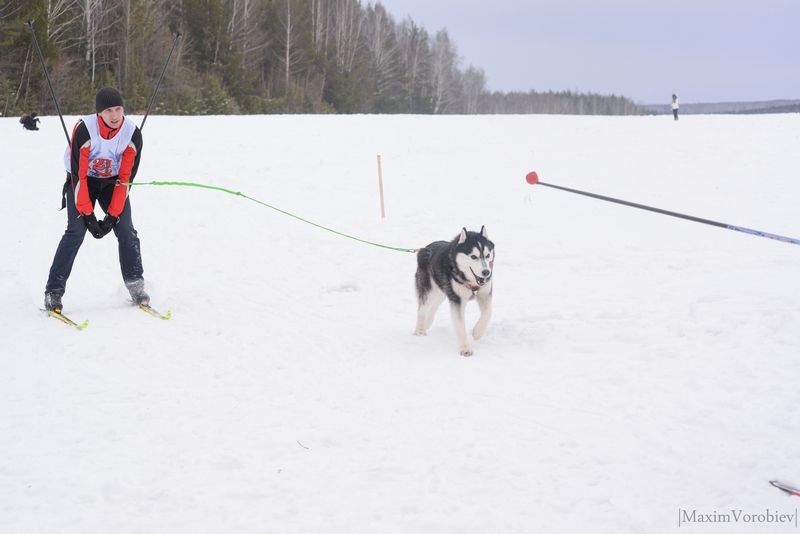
{"x":480,"y":329}
{"x":419,"y":332}
{"x":466,"y":351}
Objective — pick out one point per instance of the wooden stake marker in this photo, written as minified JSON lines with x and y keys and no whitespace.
{"x":380,"y":186}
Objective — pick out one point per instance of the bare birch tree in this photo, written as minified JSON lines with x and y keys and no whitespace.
{"x":474,"y":86}
{"x":97,"y":21}
{"x":347,"y":26}
{"x":320,"y":23}
{"x":243,"y":31}
{"x":444,"y":63}
{"x":63,"y":18}
{"x":414,"y":46}
{"x":289,"y":51}
{"x":381,"y":41}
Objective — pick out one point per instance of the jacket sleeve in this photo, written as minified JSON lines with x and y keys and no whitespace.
{"x":128,"y":166}
{"x":79,"y":166}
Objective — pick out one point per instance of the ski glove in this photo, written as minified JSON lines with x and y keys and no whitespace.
{"x":93,"y":226}
{"x":107,"y":224}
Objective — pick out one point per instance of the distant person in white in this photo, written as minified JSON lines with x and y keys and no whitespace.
{"x":675,"y":106}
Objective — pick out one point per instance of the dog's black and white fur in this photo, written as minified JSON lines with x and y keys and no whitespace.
{"x":457,"y":270}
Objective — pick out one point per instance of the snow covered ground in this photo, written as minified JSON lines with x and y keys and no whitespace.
{"x":637,"y":366}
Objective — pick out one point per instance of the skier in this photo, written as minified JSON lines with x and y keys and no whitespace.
{"x":675,"y":106}
{"x":29,"y":121}
{"x":103,"y":155}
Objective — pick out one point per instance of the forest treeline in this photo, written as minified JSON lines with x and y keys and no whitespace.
{"x":251,"y":56}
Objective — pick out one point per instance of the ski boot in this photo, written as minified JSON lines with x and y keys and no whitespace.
{"x":138,"y":294}
{"x":52,"y":302}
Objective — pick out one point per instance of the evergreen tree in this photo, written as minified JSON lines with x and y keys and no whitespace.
{"x":251,"y":56}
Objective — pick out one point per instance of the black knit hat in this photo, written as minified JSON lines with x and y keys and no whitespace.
{"x":107,"y":97}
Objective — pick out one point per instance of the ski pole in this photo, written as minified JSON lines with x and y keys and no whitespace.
{"x":533,"y":179}
{"x":47,"y":76}
{"x":785,"y":488}
{"x":160,"y":77}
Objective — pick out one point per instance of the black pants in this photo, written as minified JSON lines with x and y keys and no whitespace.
{"x":675,"y":113}
{"x":130,"y":254}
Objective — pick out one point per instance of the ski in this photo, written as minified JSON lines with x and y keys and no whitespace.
{"x":155,"y":313}
{"x":785,"y":488}
{"x":66,"y":320}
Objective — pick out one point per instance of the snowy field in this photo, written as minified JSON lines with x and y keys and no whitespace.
{"x":637,"y":365}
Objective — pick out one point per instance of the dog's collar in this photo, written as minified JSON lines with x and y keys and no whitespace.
{"x":469,"y":285}
{"x":461,"y":279}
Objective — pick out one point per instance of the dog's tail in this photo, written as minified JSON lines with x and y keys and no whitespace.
{"x":424,"y":258}
{"x":422,"y":276}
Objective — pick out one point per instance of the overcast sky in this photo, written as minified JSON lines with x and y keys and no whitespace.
{"x":703,"y":50}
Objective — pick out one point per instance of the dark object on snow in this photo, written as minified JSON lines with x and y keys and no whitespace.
{"x":29,"y":121}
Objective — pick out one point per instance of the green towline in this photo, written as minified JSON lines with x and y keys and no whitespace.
{"x":270,"y":206}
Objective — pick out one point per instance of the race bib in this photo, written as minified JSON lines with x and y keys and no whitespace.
{"x":101,"y":168}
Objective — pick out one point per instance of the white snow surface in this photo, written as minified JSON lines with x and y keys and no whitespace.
{"x":637,"y":365}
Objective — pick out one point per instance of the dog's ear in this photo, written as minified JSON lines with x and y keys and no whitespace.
{"x":462,"y":236}
{"x":484,"y":233}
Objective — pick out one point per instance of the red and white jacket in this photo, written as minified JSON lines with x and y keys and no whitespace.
{"x":103,"y":155}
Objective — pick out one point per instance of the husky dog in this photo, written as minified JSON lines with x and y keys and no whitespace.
{"x":457,"y":270}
